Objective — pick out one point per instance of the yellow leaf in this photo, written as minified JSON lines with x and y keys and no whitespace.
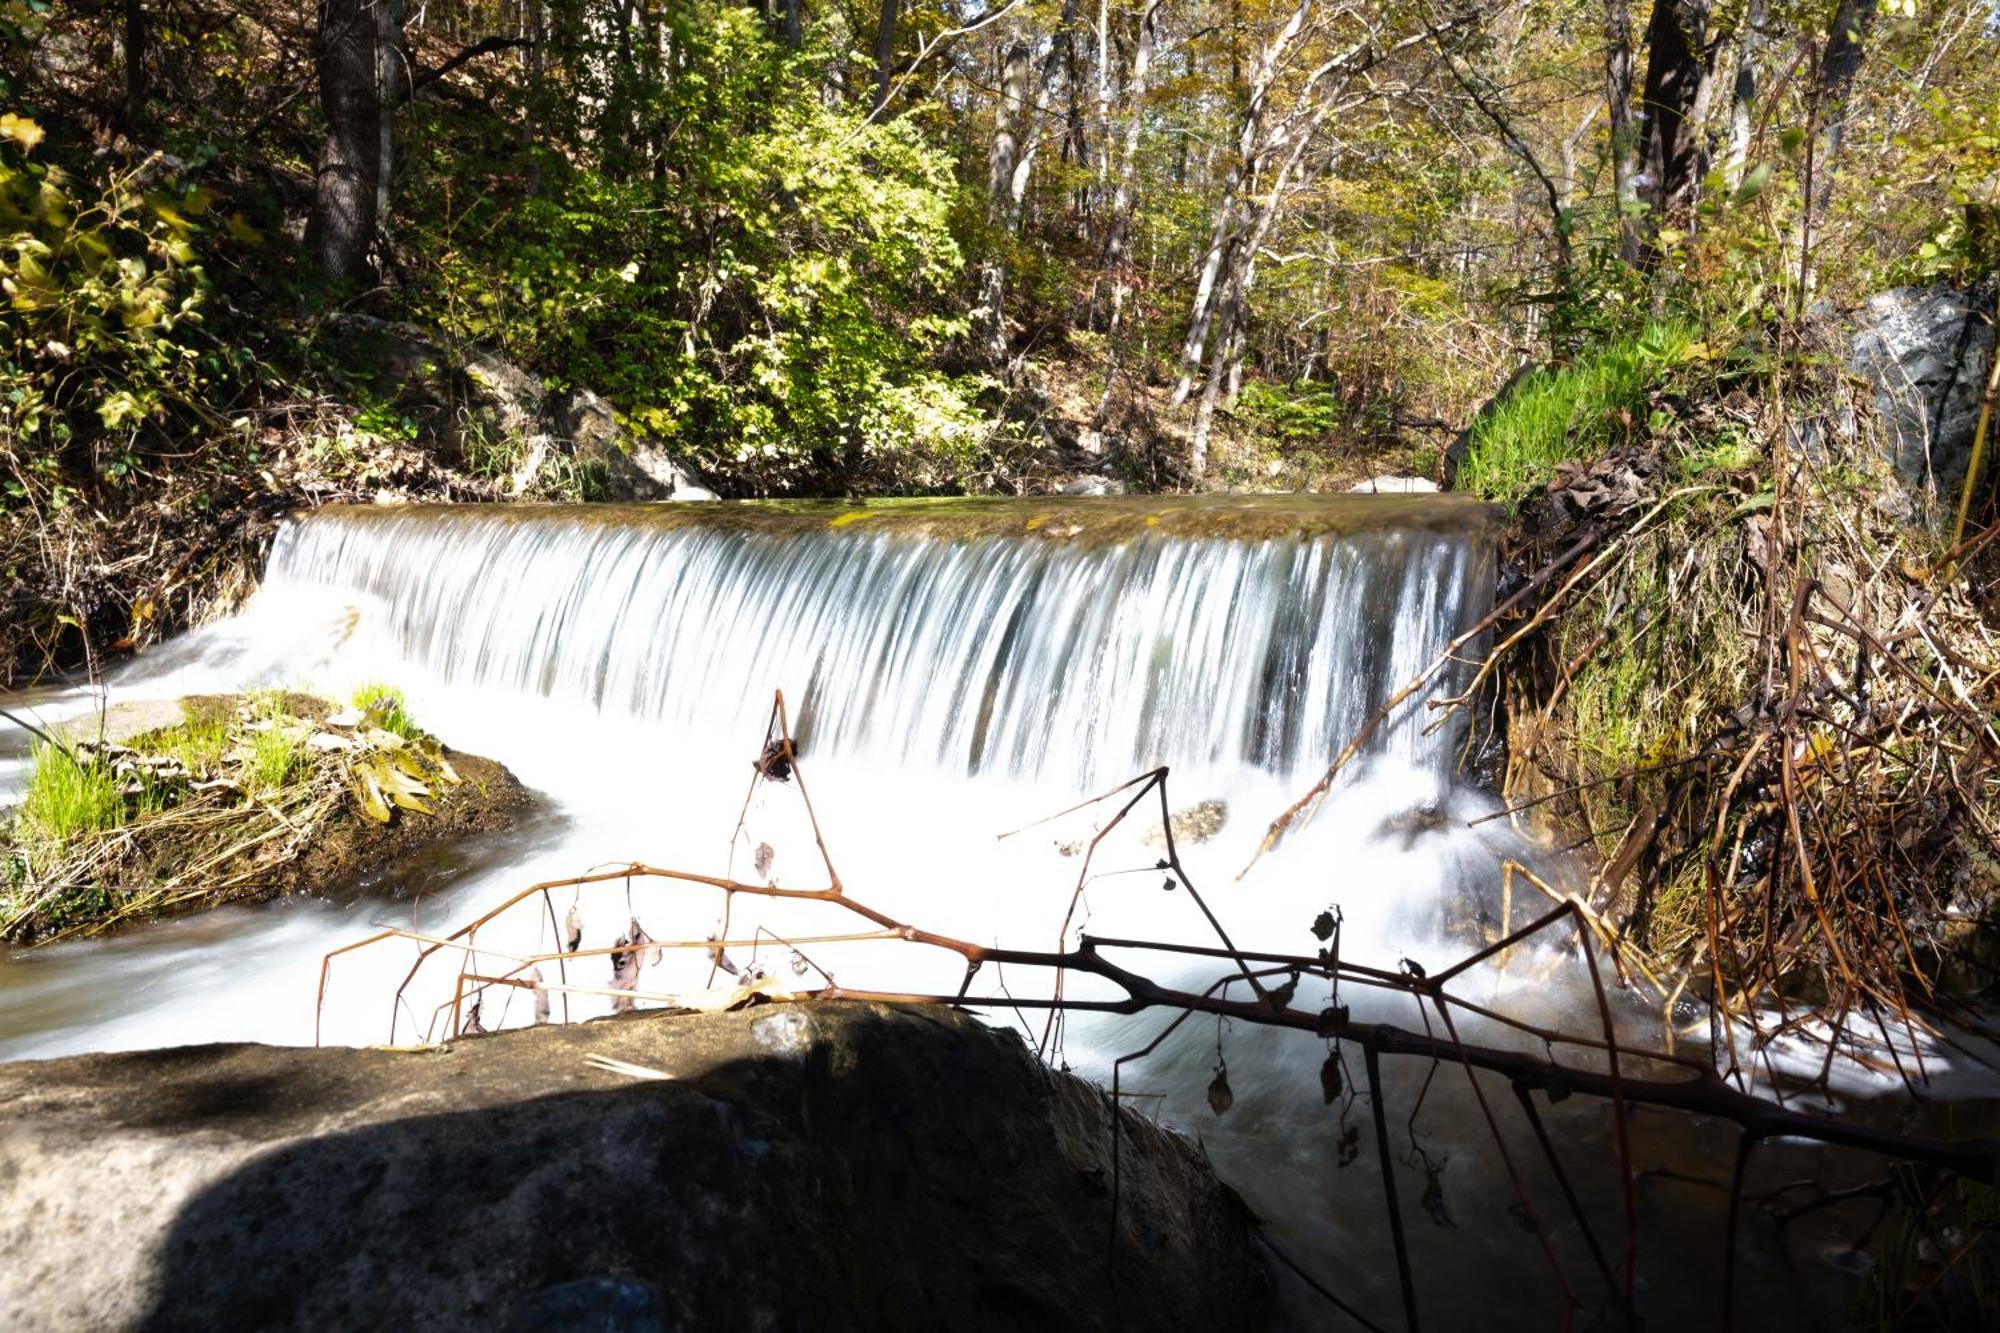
{"x":242,"y":232}
{"x":21,"y":130}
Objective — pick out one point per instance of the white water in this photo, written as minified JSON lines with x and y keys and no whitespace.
{"x":946,"y":692}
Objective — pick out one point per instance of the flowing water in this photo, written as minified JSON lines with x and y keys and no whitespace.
{"x":954,"y":673}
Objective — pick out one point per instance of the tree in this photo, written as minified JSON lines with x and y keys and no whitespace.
{"x":1677,"y":65}
{"x":348,"y":181}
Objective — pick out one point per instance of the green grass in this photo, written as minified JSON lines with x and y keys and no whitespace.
{"x":1564,"y":412}
{"x":385,"y":707}
{"x":67,"y":799}
{"x":277,"y":755}
{"x":198,"y":744}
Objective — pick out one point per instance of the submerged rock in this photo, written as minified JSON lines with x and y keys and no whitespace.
{"x":1196,"y":823}
{"x":823,"y":1166}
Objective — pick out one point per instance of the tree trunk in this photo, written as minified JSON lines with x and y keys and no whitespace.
{"x":1845,"y":44}
{"x":135,"y":64}
{"x":1009,"y":119}
{"x":392,"y":81}
{"x":885,"y":53}
{"x":1618,"y":101}
{"x":1232,"y":216}
{"x":1117,"y":262}
{"x":1675,"y":65}
{"x":1743,"y":92}
{"x":343,"y":219}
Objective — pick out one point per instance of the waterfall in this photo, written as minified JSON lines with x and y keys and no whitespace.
{"x":1030,"y":655}
{"x":953,"y":671}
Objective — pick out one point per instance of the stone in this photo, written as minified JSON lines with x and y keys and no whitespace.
{"x":1925,"y":351}
{"x":1092,"y":486}
{"x":1388,"y":485}
{"x":828,"y":1165}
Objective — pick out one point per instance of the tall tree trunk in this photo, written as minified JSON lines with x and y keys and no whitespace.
{"x":885,"y":53}
{"x":1618,"y":101}
{"x":1845,"y":44}
{"x":392,"y":82}
{"x":1002,"y":159}
{"x":535,"y":58}
{"x":1117,"y":263}
{"x":135,"y":64}
{"x":1750,"y":42}
{"x":1233,"y":216}
{"x":1676,"y":40}
{"x":343,"y":219}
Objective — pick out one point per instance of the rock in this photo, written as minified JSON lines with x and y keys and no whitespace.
{"x":1925,"y":352}
{"x":1387,"y":485}
{"x":1195,"y":824}
{"x":825,"y":1166}
{"x":461,"y":387}
{"x":1092,"y":486}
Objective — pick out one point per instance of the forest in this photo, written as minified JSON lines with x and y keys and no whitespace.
{"x":410,"y":304}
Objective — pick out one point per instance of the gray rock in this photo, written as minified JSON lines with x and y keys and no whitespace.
{"x":825,"y":1166}
{"x":1092,"y":486}
{"x":1925,"y":351}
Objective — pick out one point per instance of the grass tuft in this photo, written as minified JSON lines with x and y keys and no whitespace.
{"x":1564,"y":412}
{"x":67,"y":799}
{"x":385,"y":708}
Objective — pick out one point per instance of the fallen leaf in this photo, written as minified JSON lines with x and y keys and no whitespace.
{"x":1220,"y":1098}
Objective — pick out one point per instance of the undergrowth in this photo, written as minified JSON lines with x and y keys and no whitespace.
{"x":1572,"y":411}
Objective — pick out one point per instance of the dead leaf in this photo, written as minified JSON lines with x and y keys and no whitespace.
{"x":1433,"y":1200}
{"x":1329,"y":1078}
{"x":1220,"y":1098}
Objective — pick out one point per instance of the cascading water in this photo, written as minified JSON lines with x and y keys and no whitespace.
{"x":956,"y":673}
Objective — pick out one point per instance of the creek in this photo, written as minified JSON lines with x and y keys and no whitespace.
{"x":955,"y":671}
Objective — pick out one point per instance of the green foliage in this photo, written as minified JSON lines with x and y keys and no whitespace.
{"x":1293,"y":412}
{"x":103,"y":292}
{"x":385,"y":708}
{"x":198,"y":743}
{"x":277,"y":755}
{"x":67,"y":798}
{"x":1565,"y":412}
{"x":769,"y":298}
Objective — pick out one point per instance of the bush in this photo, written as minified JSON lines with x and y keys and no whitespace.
{"x":103,"y":292}
{"x":767,"y":300}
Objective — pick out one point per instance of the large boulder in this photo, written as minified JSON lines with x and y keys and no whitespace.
{"x":823,"y":1166}
{"x":1925,"y":351}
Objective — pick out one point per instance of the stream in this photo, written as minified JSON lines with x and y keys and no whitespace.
{"x":955,"y":674}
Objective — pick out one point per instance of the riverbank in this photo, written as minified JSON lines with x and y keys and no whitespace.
{"x":156,"y":809}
